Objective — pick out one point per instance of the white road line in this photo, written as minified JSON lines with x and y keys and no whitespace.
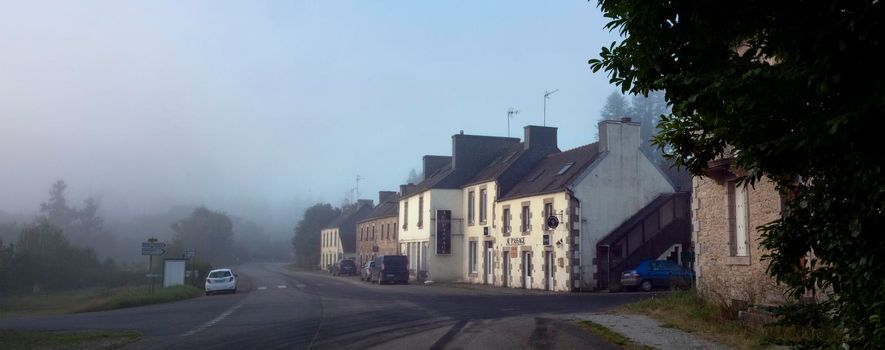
{"x":262,"y":288}
{"x":300,"y":285}
{"x":282,"y":286}
{"x":212,"y":322}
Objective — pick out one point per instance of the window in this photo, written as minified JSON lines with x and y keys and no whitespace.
{"x":482,"y":206}
{"x":505,"y":218}
{"x":548,"y":210}
{"x":470,"y":207}
{"x":406,"y":213}
{"x":420,"y":211}
{"x":738,"y":219}
{"x":472,"y":257}
{"x":565,"y":168}
{"x":373,"y":232}
{"x":526,"y":215}
{"x":536,"y":175}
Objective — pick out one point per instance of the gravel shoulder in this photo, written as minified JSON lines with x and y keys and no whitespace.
{"x":646,"y":331}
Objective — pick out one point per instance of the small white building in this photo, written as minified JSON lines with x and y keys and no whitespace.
{"x":338,"y":240}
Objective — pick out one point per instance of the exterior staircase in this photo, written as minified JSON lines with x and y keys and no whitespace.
{"x":662,"y":229}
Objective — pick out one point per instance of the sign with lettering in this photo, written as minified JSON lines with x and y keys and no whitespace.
{"x":514,"y":241}
{"x":443,"y":232}
{"x":514,"y":254}
{"x":153,"y":248}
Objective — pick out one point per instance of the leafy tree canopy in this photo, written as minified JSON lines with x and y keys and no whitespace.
{"x":307,"y":233}
{"x":795,"y":91}
{"x":209,"y":232}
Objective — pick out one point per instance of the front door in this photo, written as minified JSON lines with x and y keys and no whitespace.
{"x":488,"y":262}
{"x":527,"y":269}
{"x":548,"y":270}
{"x":505,"y":269}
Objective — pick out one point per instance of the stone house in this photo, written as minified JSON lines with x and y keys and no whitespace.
{"x":338,"y":240}
{"x":431,"y":213}
{"x":725,"y":220}
{"x":377,"y":232}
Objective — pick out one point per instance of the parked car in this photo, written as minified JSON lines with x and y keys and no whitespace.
{"x":390,"y":268}
{"x":366,"y":271}
{"x":221,"y":280}
{"x":344,"y":267}
{"x":652,"y":274}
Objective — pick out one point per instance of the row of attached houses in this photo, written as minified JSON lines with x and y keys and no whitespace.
{"x":524,"y":214}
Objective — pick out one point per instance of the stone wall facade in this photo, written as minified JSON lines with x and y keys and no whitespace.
{"x":722,"y":275}
{"x":376,"y":237}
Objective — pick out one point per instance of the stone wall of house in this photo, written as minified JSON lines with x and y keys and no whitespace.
{"x":384,"y":237}
{"x":720,"y":276}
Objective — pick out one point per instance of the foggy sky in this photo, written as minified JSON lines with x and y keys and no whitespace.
{"x":147,"y":104}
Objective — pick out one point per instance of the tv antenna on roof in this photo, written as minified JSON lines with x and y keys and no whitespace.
{"x":510,"y":113}
{"x":547,"y":97}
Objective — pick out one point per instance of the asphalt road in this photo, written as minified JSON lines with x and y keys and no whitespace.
{"x":279,"y":308}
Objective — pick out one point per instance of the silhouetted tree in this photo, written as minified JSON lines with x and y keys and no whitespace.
{"x":306,"y":240}
{"x":615,"y":107}
{"x":209,"y":232}
{"x":414,"y":177}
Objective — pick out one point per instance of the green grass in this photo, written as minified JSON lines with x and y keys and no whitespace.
{"x":686,"y":311}
{"x":610,"y":335}
{"x":141,"y":296}
{"x":88,"y":339}
{"x":91,"y":299}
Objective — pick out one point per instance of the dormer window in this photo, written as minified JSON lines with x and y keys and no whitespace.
{"x":565,"y":168}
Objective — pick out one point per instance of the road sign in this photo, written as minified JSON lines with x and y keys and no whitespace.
{"x":149,"y":248}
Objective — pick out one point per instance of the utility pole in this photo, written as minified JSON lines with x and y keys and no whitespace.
{"x":358,"y":178}
{"x":547,"y":97}
{"x":510,"y":113}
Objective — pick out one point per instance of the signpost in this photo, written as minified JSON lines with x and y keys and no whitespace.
{"x":151,"y":248}
{"x":443,"y":232}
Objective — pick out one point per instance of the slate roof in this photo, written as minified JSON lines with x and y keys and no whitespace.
{"x":435,"y":180}
{"x":499,"y":165}
{"x":386,"y":209}
{"x":346,"y":224}
{"x":550,"y":174}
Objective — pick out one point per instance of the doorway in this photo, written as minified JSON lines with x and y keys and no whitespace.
{"x":488,"y":263}
{"x":548,"y":270}
{"x":527,"y":270}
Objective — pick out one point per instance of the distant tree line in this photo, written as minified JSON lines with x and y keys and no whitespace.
{"x":57,"y":251}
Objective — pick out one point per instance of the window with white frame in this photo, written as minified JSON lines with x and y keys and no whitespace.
{"x":483,"y":203}
{"x":738,"y":219}
{"x":420,"y":211}
{"x":470,"y":207}
{"x":525,"y":215}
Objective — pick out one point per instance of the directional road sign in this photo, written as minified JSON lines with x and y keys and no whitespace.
{"x":157,"y":248}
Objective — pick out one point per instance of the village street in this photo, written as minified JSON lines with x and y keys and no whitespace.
{"x":278,"y":308}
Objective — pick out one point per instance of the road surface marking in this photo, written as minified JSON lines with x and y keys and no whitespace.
{"x":300,"y":285}
{"x":282,"y":286}
{"x":212,"y":322}
{"x":262,"y":288}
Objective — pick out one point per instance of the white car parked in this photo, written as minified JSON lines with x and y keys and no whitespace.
{"x":221,"y":280}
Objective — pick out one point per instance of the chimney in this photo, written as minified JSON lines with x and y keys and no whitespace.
{"x":472,"y":152}
{"x":434,"y":163}
{"x":539,"y":137}
{"x":619,"y":135}
{"x":404,"y":189}
{"x":383,"y":196}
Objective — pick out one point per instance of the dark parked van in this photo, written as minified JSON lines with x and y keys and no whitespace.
{"x":391,"y":268}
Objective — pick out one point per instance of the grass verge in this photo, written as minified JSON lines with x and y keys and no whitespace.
{"x":141,"y":296}
{"x":90,"y":299}
{"x":686,"y":311}
{"x":88,"y":339}
{"x":610,"y":335}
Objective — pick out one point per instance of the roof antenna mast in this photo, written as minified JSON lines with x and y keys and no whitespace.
{"x":547,"y":97}
{"x":510,"y":113}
